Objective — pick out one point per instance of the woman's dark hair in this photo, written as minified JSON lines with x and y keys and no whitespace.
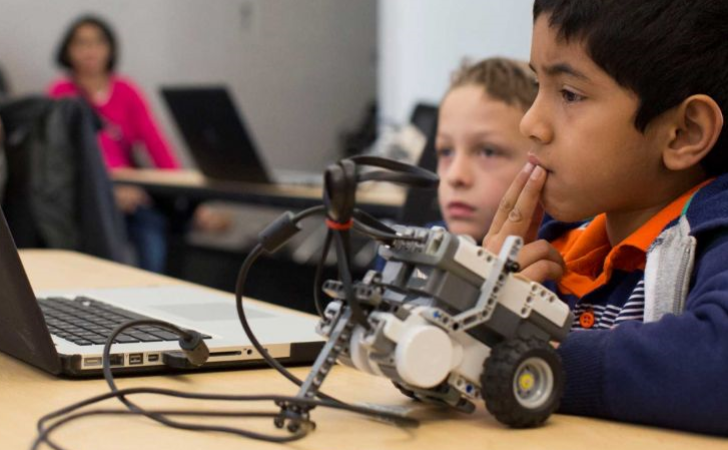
{"x":62,"y":56}
{"x":663,"y":50}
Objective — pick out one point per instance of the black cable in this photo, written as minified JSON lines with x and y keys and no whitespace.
{"x":242,"y":276}
{"x":273,"y":237}
{"x":398,"y":172}
{"x":184,"y":334}
{"x":44,"y":436}
{"x":159,"y":416}
{"x":357,"y":313}
{"x":308,"y":213}
{"x":406,"y":179}
{"x":367,"y":219}
{"x":136,"y":409}
{"x":377,"y":235}
{"x":239,"y":288}
{"x":319,"y":274}
{"x":66,"y":416}
{"x":46,"y":432}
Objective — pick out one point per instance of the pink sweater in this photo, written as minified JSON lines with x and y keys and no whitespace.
{"x":127,"y":121}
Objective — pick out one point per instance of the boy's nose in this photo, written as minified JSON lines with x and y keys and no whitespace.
{"x":534,"y":124}
{"x":460,"y":173}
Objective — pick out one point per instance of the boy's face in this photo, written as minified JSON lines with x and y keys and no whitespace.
{"x":480,"y":150}
{"x":582,"y":131}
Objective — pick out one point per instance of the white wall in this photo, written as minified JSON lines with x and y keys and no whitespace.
{"x":421,"y":42}
{"x":302,"y":71}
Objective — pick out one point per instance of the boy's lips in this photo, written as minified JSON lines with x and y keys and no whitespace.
{"x":460,"y":210}
{"x":533,"y":159}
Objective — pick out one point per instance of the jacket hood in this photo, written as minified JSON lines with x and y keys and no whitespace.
{"x":708,"y":209}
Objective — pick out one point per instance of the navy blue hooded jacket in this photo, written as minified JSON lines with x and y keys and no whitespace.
{"x":669,"y":365}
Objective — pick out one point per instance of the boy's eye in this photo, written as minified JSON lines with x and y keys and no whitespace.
{"x":571,"y":97}
{"x":443,"y":152}
{"x":488,"y":152}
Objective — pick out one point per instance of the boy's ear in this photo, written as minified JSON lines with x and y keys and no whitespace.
{"x":694,"y":128}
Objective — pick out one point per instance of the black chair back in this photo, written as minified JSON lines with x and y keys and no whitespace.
{"x":421,"y":207}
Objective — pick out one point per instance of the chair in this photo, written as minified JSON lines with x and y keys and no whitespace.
{"x":58,"y":194}
{"x":420,"y":207}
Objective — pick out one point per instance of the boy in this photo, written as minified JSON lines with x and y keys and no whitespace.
{"x":479,"y":147}
{"x":627,"y":133}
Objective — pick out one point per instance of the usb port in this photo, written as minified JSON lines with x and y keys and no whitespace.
{"x":116,"y":360}
{"x":136,"y":358}
{"x":89,"y":362}
{"x":154,"y":357}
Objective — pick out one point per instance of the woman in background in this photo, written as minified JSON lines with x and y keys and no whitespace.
{"x":88,"y":53}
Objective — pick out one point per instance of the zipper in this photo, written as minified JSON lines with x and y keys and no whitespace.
{"x":680,"y":281}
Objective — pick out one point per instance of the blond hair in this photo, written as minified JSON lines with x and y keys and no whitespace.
{"x":504,"y":79}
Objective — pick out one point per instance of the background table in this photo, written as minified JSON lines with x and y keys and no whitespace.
{"x":380,"y":199}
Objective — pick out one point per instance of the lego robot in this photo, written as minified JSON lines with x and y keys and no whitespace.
{"x":450,"y":323}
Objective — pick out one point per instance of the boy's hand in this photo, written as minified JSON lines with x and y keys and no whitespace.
{"x":520,"y":214}
{"x":540,"y":261}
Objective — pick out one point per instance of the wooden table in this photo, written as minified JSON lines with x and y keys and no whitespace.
{"x":381,"y":199}
{"x":26,"y":394}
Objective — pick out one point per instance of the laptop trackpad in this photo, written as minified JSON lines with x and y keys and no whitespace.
{"x":210,"y":312}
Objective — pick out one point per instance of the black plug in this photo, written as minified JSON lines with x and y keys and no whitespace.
{"x":277,"y":233}
{"x":194,"y":348}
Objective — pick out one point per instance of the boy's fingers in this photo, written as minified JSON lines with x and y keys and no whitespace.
{"x":540,"y":250}
{"x":540,"y":261}
{"x":494,"y":243}
{"x":519,"y":220}
{"x":510,"y":199}
{"x":543,"y":270}
{"x":536,"y":221}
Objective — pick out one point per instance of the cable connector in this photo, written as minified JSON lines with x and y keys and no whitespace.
{"x":295,"y":418}
{"x":193,"y":355}
{"x":280,"y":231}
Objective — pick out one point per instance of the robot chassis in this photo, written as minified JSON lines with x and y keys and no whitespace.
{"x":449,"y":323}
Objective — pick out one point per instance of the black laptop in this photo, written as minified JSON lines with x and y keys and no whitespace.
{"x":219,"y":139}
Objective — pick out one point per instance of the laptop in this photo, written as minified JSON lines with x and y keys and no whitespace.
{"x":63,"y":332}
{"x":218,"y":138}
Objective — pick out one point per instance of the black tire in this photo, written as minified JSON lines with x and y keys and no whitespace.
{"x":406,"y":391}
{"x":522,"y":382}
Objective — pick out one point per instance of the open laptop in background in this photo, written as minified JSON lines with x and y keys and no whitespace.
{"x":63,"y":332}
{"x":219,"y":140}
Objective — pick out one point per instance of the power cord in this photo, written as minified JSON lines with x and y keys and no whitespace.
{"x":341,"y":217}
{"x":194,"y":347}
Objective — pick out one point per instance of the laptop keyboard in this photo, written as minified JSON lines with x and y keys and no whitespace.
{"x":85,"y":321}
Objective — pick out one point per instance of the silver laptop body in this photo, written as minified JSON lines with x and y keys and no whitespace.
{"x":24,"y":330}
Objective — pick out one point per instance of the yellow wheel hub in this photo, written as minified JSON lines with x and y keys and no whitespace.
{"x":526,"y":381}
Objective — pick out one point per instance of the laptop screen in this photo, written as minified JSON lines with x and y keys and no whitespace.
{"x":215,"y":133}
{"x":23,"y":331}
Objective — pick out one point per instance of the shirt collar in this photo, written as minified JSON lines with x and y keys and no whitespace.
{"x":590,"y":259}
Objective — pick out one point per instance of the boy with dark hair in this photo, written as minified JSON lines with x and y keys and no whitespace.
{"x":628,"y":138}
